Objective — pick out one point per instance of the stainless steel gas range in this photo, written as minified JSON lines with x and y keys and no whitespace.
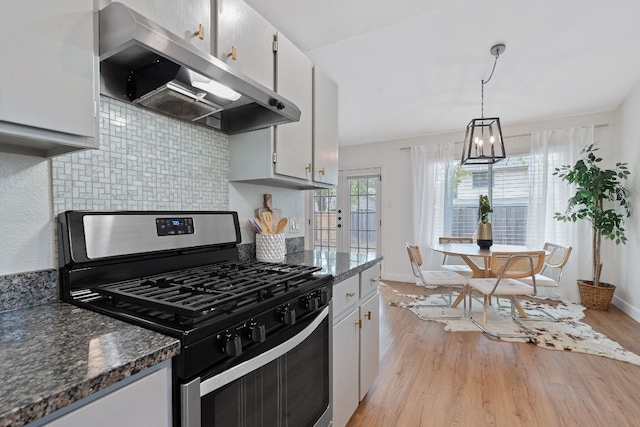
{"x":255,"y":337}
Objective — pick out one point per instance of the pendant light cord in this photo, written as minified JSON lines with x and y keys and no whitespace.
{"x":487,"y":81}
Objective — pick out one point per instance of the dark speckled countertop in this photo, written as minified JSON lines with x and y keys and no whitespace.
{"x":55,"y":354}
{"x":341,"y":265}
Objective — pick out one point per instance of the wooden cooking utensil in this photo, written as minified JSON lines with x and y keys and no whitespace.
{"x":262,"y":226}
{"x":282,"y":224}
{"x":267,"y":218}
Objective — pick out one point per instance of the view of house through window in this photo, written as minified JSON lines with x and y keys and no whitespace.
{"x":509,"y":194}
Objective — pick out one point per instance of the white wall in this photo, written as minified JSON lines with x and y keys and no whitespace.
{"x":26,"y":211}
{"x":394,"y":161}
{"x":627,"y":295}
{"x":246,"y":198}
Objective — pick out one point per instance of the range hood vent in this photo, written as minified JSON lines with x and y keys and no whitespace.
{"x":143,"y":63}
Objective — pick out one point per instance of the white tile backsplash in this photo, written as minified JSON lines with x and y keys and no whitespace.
{"x":146,"y":161}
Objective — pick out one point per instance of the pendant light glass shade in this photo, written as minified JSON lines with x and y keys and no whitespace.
{"x":483,"y":143}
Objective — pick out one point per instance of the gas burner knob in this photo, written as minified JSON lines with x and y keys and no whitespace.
{"x":288,"y":315}
{"x":325,"y":296}
{"x":232,"y":345}
{"x":311,"y":303}
{"x":257,"y":332}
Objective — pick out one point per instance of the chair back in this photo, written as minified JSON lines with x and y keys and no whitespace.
{"x":517,"y":265}
{"x":557,"y":255}
{"x":444,"y":240}
{"x":415,"y":258}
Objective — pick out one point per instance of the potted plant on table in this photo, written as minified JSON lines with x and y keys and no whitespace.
{"x":485,"y":234}
{"x":601,"y":199}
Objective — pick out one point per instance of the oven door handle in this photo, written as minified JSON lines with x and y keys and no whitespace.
{"x":192,"y":392}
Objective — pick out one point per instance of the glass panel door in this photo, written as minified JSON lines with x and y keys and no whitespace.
{"x":348,"y":220}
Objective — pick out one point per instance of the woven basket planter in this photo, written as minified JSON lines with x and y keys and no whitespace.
{"x":596,"y":297}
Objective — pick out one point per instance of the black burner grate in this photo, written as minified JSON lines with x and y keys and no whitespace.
{"x":198,"y":293}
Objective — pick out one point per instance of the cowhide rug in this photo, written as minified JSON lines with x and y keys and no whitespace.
{"x":569,"y":334}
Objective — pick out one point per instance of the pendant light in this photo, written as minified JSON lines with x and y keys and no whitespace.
{"x":483,"y":144}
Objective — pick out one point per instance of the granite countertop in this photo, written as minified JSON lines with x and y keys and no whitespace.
{"x":341,"y":265}
{"x":55,"y":354}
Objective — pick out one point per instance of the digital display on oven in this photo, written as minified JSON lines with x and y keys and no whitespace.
{"x":174,"y":226}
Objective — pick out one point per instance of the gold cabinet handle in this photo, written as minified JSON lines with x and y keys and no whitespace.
{"x":308,"y":167}
{"x":368,"y":315}
{"x":234,"y":53}
{"x":374,"y":279}
{"x":351,"y":294}
{"x":200,"y":32}
{"x":321,"y":171}
{"x":359,"y":323}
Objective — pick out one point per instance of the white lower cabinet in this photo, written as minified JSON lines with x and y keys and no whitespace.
{"x":369,"y":343}
{"x":143,"y":402}
{"x":356,"y":341}
{"x":346,"y":353}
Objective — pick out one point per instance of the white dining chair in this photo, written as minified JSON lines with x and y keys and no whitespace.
{"x":554,"y":261}
{"x":507,"y":268}
{"x":435,"y":278}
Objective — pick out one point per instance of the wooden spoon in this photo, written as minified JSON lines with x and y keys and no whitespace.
{"x":282,"y":224}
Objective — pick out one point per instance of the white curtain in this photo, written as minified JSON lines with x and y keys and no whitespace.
{"x":429,"y":172}
{"x":548,"y":194}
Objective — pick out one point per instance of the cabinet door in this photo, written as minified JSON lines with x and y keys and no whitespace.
{"x":145,"y":402}
{"x":345,"y":369}
{"x":48,"y":69}
{"x":294,"y":82}
{"x":369,"y":343}
{"x":181,"y":17}
{"x":244,"y":30}
{"x":325,"y":128}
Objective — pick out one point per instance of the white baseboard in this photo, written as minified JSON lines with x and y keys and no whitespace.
{"x":633,"y":312}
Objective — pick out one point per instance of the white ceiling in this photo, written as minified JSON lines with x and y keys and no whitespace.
{"x":414,"y":67}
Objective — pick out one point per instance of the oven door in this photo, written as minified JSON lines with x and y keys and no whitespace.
{"x":287,"y":385}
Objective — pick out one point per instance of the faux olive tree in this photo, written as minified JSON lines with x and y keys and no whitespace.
{"x":600,"y":198}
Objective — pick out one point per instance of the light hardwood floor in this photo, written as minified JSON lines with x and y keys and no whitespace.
{"x":430,"y":377}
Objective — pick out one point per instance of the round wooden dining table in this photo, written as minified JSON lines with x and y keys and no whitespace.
{"x":468,"y":251}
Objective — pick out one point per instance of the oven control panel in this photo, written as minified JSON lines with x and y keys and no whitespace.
{"x":174,"y":226}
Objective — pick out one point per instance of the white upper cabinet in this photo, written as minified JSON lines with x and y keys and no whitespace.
{"x":302,"y":154}
{"x":184,"y":18}
{"x":325,"y":128}
{"x":244,"y":40}
{"x":294,"y":82}
{"x":281,"y":155}
{"x":48,"y":78}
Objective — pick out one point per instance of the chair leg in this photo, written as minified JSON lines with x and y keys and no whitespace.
{"x":529,"y":333}
{"x":449,"y":297}
{"x":484,"y":308}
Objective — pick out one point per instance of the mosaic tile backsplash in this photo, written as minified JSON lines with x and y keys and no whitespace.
{"x":146,"y":161}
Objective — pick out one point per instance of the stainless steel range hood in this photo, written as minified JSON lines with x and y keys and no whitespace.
{"x":143,"y":63}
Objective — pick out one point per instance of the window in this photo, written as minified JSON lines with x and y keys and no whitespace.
{"x":324,"y":217}
{"x":363,"y":218}
{"x":510,"y":199}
